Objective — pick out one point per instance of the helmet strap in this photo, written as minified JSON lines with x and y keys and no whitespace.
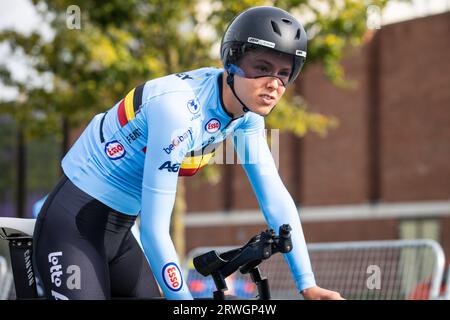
{"x":230,"y":82}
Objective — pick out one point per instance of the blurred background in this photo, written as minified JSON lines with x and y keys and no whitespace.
{"x":364,"y":143}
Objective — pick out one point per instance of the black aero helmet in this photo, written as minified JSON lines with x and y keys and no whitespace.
{"x":266,"y":27}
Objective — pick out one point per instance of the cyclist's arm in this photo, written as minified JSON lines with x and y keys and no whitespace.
{"x":275,"y":201}
{"x":158,"y":193}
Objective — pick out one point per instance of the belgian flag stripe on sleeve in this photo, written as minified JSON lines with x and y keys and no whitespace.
{"x":129,"y":109}
{"x":130,"y":105}
{"x":188,"y":172}
{"x":137,"y":98}
{"x":121,"y":114}
{"x":191,"y":165}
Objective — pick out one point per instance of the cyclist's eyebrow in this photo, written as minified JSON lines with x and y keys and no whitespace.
{"x":262,"y":60}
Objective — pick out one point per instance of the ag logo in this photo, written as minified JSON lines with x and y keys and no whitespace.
{"x":169,"y":167}
{"x":172,"y":276}
{"x":193,"y":106}
{"x":212,"y":125}
{"x":114,"y":150}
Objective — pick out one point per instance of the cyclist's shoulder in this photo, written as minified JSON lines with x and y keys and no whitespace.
{"x":186,"y":83}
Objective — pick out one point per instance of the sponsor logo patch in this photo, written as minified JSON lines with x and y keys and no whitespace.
{"x":300,"y":53}
{"x":212,"y":125}
{"x":72,"y":275}
{"x":261,"y":42}
{"x":114,"y":150}
{"x":193,"y":106}
{"x":170,"y":167}
{"x":172,"y":276}
{"x":134,"y":135}
{"x":210,"y":140}
{"x":184,"y":76}
{"x":55,"y":268}
{"x":177,"y":141}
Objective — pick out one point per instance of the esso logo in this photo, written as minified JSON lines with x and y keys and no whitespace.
{"x":172,"y":276}
{"x":193,"y":106}
{"x":212,"y":125}
{"x":114,"y":150}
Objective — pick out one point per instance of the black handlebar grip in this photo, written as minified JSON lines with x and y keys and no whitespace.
{"x":208,"y":263}
{"x":285,"y":231}
{"x":285,"y":238}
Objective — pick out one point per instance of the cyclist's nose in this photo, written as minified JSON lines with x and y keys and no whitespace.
{"x":274,"y":83}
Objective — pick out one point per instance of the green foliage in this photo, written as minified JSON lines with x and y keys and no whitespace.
{"x":120,"y":45}
{"x":291,"y":114}
{"x":42,"y":162}
{"x":335,"y":26}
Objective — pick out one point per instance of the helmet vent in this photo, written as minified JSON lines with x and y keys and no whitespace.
{"x":297,"y":36}
{"x":286,"y":21}
{"x":275,"y":27}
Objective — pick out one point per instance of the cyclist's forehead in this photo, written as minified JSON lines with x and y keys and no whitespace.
{"x":270,"y":57}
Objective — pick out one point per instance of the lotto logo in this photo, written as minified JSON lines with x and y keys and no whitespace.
{"x":55,"y":268}
{"x":172,"y":276}
{"x":114,"y":150}
{"x":212,"y":125}
{"x":72,"y":275}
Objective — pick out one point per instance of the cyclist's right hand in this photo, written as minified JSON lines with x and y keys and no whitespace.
{"x":318,"y":293}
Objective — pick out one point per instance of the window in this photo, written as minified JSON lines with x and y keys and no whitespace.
{"x":419,"y":229}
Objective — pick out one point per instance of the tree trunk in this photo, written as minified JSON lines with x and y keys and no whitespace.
{"x":65,"y":136}
{"x":21,"y":196}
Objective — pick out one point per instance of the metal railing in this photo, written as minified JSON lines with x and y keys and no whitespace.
{"x":381,"y":270}
{"x":446,"y":295}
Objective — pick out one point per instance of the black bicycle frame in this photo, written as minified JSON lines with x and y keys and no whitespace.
{"x":21,"y":251}
{"x":246,"y":259}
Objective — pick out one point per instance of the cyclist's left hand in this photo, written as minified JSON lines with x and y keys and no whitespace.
{"x":318,"y":293}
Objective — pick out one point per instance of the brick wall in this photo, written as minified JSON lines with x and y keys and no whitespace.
{"x":334,"y":168}
{"x":415,"y":109}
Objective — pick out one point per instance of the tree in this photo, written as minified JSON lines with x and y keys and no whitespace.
{"x":120,"y":44}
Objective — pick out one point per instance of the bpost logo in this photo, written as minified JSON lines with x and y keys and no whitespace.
{"x":212,"y":125}
{"x":115,"y":150}
{"x":177,"y":141}
{"x":172,"y":276}
{"x":193,"y":106}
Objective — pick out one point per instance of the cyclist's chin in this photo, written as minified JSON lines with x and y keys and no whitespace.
{"x":262,"y":110}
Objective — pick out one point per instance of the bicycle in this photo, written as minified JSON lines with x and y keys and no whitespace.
{"x":247,"y":259}
{"x":19,"y":233}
